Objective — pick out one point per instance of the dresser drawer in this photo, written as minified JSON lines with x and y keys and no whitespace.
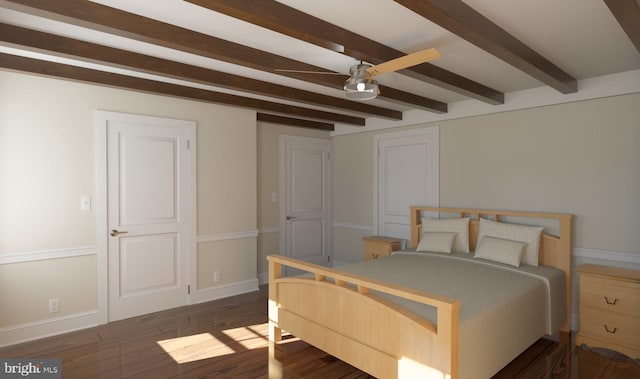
{"x":611,"y":326}
{"x":610,"y":296}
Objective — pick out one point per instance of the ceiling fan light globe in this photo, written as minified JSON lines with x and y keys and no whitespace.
{"x":361,"y":85}
{"x":370,"y":92}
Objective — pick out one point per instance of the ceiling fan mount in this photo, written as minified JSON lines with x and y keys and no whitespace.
{"x":361,"y":85}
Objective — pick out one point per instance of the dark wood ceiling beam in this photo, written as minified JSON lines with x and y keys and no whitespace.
{"x":109,"y":79}
{"x":627,"y":12}
{"x":292,"y":22}
{"x":275,"y":119}
{"x":464,"y":21}
{"x":106,"y":19}
{"x":92,"y":52}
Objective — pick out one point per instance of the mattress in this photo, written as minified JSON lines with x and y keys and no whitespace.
{"x":503,"y":309}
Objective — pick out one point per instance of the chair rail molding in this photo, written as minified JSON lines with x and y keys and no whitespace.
{"x":346,"y":225}
{"x":42,"y":255}
{"x":616,"y":256}
{"x":213,"y":237}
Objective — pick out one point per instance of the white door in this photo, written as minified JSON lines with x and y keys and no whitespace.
{"x":149,"y":213}
{"x":305,"y":211}
{"x":407,"y":167}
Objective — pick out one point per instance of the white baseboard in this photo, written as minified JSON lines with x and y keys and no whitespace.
{"x":46,"y":328}
{"x":263,"y":278}
{"x":226,"y":290}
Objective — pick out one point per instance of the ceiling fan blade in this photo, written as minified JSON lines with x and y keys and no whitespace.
{"x":309,"y":72}
{"x":404,"y":62}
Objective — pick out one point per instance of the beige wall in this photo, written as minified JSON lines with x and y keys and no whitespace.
{"x":581,"y":158}
{"x":268,"y":184}
{"x":26,"y":287}
{"x":353,"y":178}
{"x":227,"y":171}
{"x":46,"y":164}
{"x":47,"y":161}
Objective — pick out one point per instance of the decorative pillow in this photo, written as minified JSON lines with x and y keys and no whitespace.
{"x":500,"y":250}
{"x":455,"y":225}
{"x":439,"y":242}
{"x":527,"y":234}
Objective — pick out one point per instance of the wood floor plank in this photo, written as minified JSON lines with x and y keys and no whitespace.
{"x":227,"y":338}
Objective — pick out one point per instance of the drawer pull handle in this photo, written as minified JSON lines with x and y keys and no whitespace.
{"x":606,"y":299}
{"x":606,"y":328}
{"x":375,"y":256}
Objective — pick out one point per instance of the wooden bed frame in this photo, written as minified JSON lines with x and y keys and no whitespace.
{"x":336,"y":312}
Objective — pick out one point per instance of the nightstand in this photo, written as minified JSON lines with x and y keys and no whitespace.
{"x":378,"y":246}
{"x":609,"y":308}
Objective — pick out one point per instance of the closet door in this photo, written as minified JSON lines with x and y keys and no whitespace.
{"x":306,"y":209}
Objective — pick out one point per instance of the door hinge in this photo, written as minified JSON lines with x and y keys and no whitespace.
{"x":188,"y":289}
{"x":329,"y":258}
{"x":188,"y":144}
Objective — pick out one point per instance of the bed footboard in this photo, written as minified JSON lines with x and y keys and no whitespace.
{"x":337,"y":313}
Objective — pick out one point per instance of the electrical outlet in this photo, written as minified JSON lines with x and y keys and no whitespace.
{"x":54,"y":305}
{"x":216,"y":276}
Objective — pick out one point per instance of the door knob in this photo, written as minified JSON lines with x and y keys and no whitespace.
{"x":290,"y":218}
{"x":115,"y":233}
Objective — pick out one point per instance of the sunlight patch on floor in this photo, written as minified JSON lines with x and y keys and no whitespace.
{"x":408,"y":368}
{"x":249,"y":337}
{"x":201,"y":346}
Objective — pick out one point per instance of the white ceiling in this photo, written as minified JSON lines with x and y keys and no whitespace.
{"x":582,"y":37}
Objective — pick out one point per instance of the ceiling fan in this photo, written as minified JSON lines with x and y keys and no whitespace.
{"x":362,"y":86}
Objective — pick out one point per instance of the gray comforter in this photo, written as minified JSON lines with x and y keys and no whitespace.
{"x":503,"y":309}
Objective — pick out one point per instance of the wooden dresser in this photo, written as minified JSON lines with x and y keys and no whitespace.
{"x":377,"y":246}
{"x":609,"y":308}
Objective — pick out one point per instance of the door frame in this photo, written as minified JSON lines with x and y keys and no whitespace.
{"x":101,"y":119}
{"x":433,"y":133}
{"x":284,"y":193}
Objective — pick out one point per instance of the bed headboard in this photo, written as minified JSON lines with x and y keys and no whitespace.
{"x":554,"y":250}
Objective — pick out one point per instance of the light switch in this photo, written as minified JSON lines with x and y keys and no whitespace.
{"x":85,"y":203}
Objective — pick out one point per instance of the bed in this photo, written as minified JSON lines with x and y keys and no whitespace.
{"x":388,"y":318}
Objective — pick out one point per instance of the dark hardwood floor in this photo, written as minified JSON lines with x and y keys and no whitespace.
{"x":228,"y":339}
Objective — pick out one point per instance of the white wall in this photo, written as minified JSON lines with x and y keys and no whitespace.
{"x":47,"y":161}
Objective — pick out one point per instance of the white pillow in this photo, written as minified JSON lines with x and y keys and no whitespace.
{"x":439,"y":242}
{"x":500,"y":250}
{"x":527,"y":234}
{"x":455,"y":225}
